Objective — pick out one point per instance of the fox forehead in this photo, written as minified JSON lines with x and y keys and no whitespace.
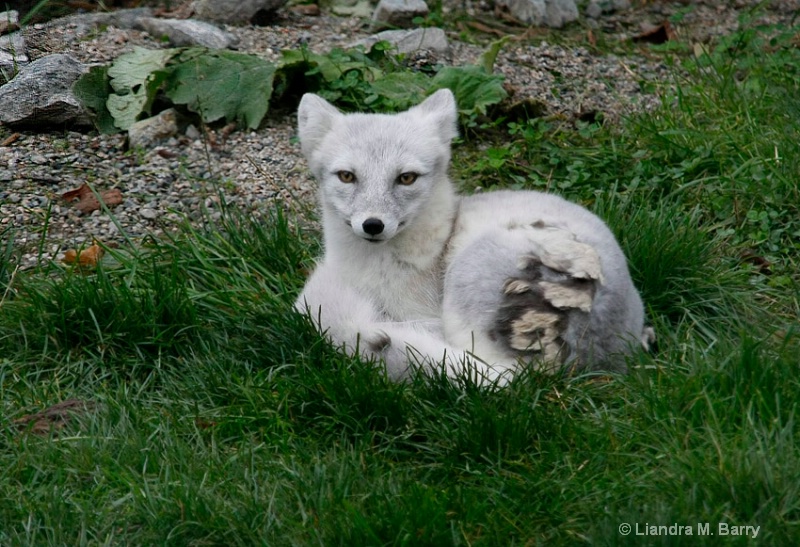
{"x":392,"y":142}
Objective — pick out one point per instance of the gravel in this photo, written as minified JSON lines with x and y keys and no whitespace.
{"x":254,"y":169}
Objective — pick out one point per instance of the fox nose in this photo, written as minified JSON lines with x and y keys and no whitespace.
{"x":372,"y":226}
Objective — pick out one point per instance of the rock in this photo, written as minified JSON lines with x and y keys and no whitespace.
{"x":13,"y":52}
{"x":193,"y":133}
{"x":9,"y":21}
{"x":179,"y":32}
{"x":311,"y":10}
{"x":398,"y":13}
{"x":560,"y":12}
{"x":148,"y":213}
{"x":187,"y":32}
{"x":527,"y":11}
{"x":146,"y":133}
{"x":596,"y":8}
{"x":548,"y":13}
{"x":41,"y":94}
{"x":124,"y":18}
{"x":235,"y":11}
{"x":408,"y":41}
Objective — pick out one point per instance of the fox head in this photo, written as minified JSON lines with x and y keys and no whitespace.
{"x":378,"y":172}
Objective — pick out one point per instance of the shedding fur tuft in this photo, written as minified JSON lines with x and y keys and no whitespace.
{"x":557,"y":279}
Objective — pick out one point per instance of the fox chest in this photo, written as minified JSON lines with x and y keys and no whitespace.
{"x":399,"y":291}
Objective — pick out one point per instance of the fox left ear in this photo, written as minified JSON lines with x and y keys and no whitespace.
{"x":441,"y":106}
{"x":315,"y":117}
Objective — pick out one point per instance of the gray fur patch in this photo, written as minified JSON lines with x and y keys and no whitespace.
{"x":538,"y":304}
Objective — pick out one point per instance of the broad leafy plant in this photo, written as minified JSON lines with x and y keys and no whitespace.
{"x":238,"y":87}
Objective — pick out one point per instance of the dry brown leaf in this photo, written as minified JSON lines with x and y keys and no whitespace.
{"x":12,"y":138}
{"x":86,"y":200}
{"x":204,"y":424}
{"x":480,"y":27}
{"x":87,"y":257}
{"x":54,"y":417}
{"x":166,"y":154}
{"x":590,"y":37}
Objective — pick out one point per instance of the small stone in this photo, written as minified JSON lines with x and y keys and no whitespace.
{"x":193,"y":133}
{"x":548,"y":13}
{"x":148,"y":213}
{"x":310,"y":10}
{"x":149,"y":132}
{"x":398,"y":13}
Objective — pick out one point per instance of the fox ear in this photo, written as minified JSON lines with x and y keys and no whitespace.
{"x":441,"y":106}
{"x":315,"y":117}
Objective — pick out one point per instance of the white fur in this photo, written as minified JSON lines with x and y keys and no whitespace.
{"x":428,"y":287}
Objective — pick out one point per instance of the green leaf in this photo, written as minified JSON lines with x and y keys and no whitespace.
{"x":127,"y":108}
{"x":402,"y":89}
{"x":222,"y":84}
{"x":93,"y":90}
{"x":489,"y":56}
{"x":135,"y":78}
{"x":131,"y":70}
{"x":333,"y":65}
{"x":474,"y":89}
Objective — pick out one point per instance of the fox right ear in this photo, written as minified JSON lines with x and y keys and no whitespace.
{"x":315,"y":117}
{"x":441,"y":108}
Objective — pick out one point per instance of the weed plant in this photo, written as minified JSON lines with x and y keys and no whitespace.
{"x":222,"y":418}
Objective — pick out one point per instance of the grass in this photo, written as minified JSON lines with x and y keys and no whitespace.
{"x":222,"y":418}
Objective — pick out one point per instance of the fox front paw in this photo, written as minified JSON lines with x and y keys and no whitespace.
{"x":377,"y":342}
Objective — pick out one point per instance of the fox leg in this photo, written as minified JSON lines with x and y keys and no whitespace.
{"x":349,"y":319}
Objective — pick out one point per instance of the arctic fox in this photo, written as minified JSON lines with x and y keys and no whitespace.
{"x":414,"y":273}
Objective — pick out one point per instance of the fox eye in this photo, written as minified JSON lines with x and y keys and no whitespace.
{"x":346,"y":176}
{"x":407,"y":178}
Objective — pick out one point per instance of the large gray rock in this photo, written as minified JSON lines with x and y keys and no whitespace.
{"x":186,"y":32}
{"x":408,"y":41}
{"x":596,"y":8}
{"x":234,"y":11}
{"x":179,"y":32}
{"x":548,"y":13}
{"x":13,"y":52}
{"x":398,"y":13}
{"x":560,"y":12}
{"x":41,"y":94}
